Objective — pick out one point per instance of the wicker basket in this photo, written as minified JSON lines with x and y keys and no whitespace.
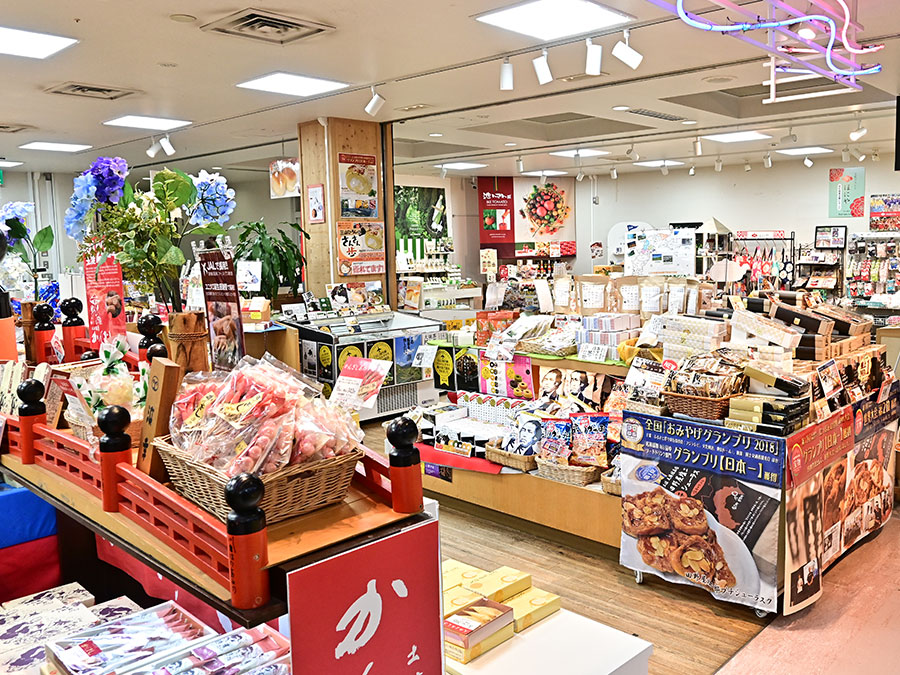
{"x":92,"y":434}
{"x":573,"y":475}
{"x":611,"y":486}
{"x":698,"y":406}
{"x":290,"y":491}
{"x":511,"y":459}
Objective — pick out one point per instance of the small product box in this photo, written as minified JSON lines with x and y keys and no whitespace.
{"x":455,"y":573}
{"x":501,"y":584}
{"x":68,"y":594}
{"x":532,"y":606}
{"x":476,"y":623}
{"x":463,"y":655}
{"x":439,"y":415}
{"x":458,"y":599}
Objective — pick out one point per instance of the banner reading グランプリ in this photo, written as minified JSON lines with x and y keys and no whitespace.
{"x":701,"y":506}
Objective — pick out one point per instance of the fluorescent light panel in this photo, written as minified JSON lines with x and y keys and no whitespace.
{"x":31,"y":45}
{"x":144,"y":122}
{"x":657,"y":163}
{"x":6,"y":164}
{"x":815,"y":150}
{"x":554,"y":19}
{"x":292,"y":85}
{"x":545,"y":172}
{"x":460,"y":166}
{"x":581,"y":152}
{"x":737,"y":137}
{"x":54,"y":147}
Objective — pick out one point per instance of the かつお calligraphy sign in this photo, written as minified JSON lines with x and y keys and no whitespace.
{"x":374,"y":610}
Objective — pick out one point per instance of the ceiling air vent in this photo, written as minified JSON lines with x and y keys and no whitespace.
{"x":656,"y":115}
{"x":90,"y":91}
{"x":9,"y":128}
{"x":268,"y":27}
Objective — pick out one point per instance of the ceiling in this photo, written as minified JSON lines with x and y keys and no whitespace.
{"x":417,"y":53}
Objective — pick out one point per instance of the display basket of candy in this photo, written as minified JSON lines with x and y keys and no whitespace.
{"x":611,"y":484}
{"x":513,"y":460}
{"x":699,"y":406}
{"x":568,"y":473}
{"x":261,"y":418}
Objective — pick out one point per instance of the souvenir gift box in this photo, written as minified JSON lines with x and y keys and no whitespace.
{"x":456,"y":368}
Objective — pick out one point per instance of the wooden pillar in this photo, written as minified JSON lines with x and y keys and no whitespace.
{"x":390,"y":235}
{"x":319,"y":146}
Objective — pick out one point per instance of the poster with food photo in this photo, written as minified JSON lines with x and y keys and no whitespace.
{"x":496,"y":209}
{"x":544,"y":214}
{"x":223,"y":307}
{"x":884,"y":212}
{"x":360,"y":248}
{"x":284,"y":178}
{"x":701,"y":507}
{"x":359,"y":185}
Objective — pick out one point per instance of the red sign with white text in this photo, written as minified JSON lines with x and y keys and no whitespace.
{"x":105,"y":299}
{"x":818,"y":445}
{"x":496,"y":209}
{"x":374,"y":610}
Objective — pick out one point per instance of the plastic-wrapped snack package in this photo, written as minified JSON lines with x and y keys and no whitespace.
{"x":197,"y":392}
{"x":268,"y":449}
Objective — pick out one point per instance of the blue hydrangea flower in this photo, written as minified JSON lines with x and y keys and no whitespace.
{"x":14,"y":211}
{"x":215,"y":200}
{"x":109,"y":177}
{"x":79,"y":205}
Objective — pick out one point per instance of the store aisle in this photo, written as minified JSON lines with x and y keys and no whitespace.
{"x":851,"y":629}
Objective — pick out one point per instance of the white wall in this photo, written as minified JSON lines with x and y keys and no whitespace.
{"x":254,"y":203}
{"x":788,"y":196}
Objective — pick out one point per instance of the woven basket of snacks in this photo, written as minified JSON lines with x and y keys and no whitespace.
{"x":91,"y":433}
{"x":539,"y":347}
{"x":291,"y":491}
{"x":567,"y":473}
{"x":611,"y":485}
{"x":511,"y":459}
{"x":698,"y":406}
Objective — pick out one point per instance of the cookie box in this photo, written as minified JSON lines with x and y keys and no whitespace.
{"x":455,"y":573}
{"x":799,"y":318}
{"x":777,"y":379}
{"x":439,"y":415}
{"x":779,"y":430}
{"x":845,"y":321}
{"x":745,"y":415}
{"x":463,"y":655}
{"x":457,"y":599}
{"x":67,"y":594}
{"x":532,"y":606}
{"x":476,"y":623}
{"x":502,"y":583}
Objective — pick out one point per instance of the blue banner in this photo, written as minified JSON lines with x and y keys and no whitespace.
{"x":753,"y":458}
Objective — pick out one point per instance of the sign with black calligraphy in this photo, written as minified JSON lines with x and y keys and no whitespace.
{"x":223,"y":307}
{"x":360,"y":248}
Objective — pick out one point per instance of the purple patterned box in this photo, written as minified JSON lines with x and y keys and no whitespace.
{"x":114,"y":609}
{"x":22,"y":640}
{"x":68,"y":594}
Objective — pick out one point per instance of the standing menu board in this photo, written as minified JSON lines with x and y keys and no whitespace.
{"x":223,"y":307}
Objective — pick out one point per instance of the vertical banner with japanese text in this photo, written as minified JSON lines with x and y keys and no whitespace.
{"x":496,"y":209}
{"x":105,"y":299}
{"x":383,"y":617}
{"x":223,"y":307}
{"x":701,"y":506}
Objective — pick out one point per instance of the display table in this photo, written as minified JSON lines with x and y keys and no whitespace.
{"x":563,"y":643}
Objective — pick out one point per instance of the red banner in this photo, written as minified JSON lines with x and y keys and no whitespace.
{"x":374,"y":609}
{"x":818,"y":445}
{"x":496,"y":209}
{"x":105,"y":299}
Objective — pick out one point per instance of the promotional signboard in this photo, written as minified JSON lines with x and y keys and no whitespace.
{"x":223,"y":307}
{"x":360,"y":248}
{"x":105,"y":300}
{"x":847,"y":192}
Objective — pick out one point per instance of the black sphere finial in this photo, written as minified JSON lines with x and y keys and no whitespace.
{"x":149,"y":325}
{"x":43,"y":311}
{"x":244,"y":492}
{"x":158,"y":349}
{"x":88,"y":355}
{"x":30,"y":392}
{"x":71,"y":308}
{"x":113,"y":420}
{"x":402,"y":432}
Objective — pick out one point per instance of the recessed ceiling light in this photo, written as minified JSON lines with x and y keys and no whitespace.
{"x":621,"y":108}
{"x":657,"y":163}
{"x":554,"y":19}
{"x":510,"y":145}
{"x":815,"y":150}
{"x":581,"y":152}
{"x":216,"y":168}
{"x":436,"y":135}
{"x":545,"y":172}
{"x":183,"y":18}
{"x":292,"y":85}
{"x":54,"y":147}
{"x":689,"y":122}
{"x":459,"y":166}
{"x":737,"y":137}
{"x":719,"y":79}
{"x":31,"y":45}
{"x":414,"y":106}
{"x":142,"y":122}
{"x":6,"y":164}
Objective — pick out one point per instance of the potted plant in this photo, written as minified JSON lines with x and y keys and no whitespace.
{"x":281,"y":257}
{"x":18,"y":238}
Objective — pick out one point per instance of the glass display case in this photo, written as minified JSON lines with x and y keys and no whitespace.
{"x":327,"y":343}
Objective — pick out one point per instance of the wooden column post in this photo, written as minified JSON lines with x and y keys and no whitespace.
{"x":28,"y":331}
{"x":190,"y":341}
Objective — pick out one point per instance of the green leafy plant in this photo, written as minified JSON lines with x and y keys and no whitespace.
{"x":281,"y":257}
{"x":29,"y":249}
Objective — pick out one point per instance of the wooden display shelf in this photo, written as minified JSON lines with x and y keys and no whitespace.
{"x":586,"y":512}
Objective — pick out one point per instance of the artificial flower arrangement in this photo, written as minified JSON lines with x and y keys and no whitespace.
{"x":144,"y":230}
{"x":20,"y":265}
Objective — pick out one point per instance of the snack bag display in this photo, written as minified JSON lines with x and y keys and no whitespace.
{"x":556,"y":440}
{"x":589,"y":434}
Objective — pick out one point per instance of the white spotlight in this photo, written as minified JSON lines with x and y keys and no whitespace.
{"x":692,"y":170}
{"x":443,"y":172}
{"x":542,"y":68}
{"x":506,"y":76}
{"x":632,"y":154}
{"x":859,"y":132}
{"x":520,"y":165}
{"x":747,"y":166}
{"x":767,"y":160}
{"x":807,"y":32}
{"x":875,"y":157}
{"x":698,"y":147}
{"x":664,"y":170}
{"x":860,"y":156}
{"x":614,"y":173}
{"x":845,"y":155}
{"x":594,"y":58}
{"x":167,"y":146}
{"x":719,"y":165}
{"x":790,"y":138}
{"x":375,"y":103}
{"x":154,"y":148}
{"x":580,"y":176}
{"x":807,"y":162}
{"x":627,"y":54}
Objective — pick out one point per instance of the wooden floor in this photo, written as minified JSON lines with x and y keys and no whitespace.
{"x":691,"y":633}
